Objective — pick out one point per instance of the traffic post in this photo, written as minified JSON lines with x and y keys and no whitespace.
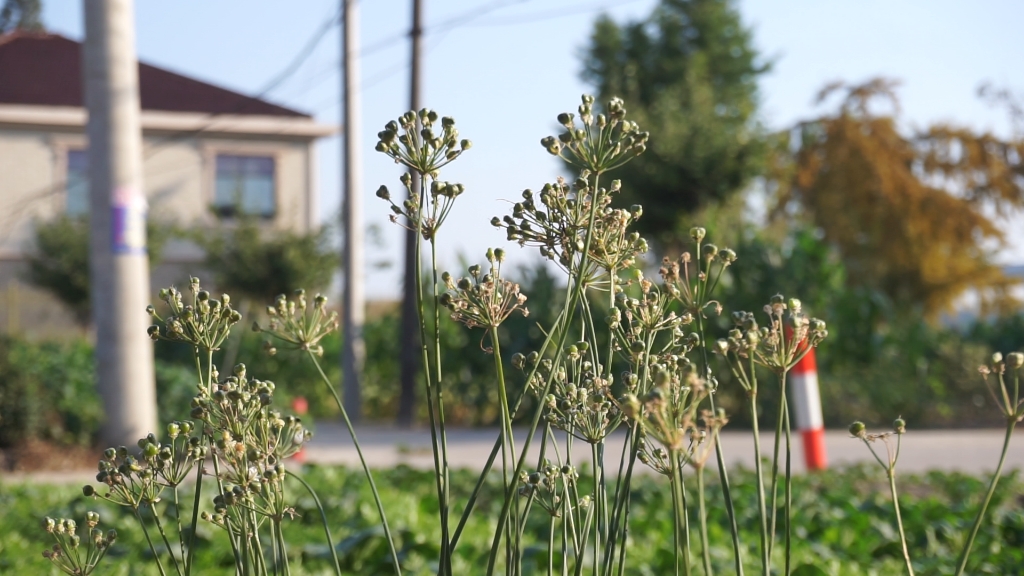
{"x":803,"y":382}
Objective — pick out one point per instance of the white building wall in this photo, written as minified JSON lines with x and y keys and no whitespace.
{"x":179,"y":176}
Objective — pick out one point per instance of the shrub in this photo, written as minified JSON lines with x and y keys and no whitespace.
{"x":47,"y":392}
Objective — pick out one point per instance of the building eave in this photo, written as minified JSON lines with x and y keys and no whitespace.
{"x":155,"y":121}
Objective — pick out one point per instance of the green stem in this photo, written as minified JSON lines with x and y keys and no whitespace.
{"x":598,"y":507}
{"x":275,"y":547}
{"x":705,"y":547}
{"x":506,"y":504}
{"x":199,"y":466}
{"x":723,"y":474}
{"x":508,"y":442}
{"x":551,"y":547}
{"x":163,"y":535}
{"x":323,"y":520}
{"x":259,"y":559}
{"x":435,"y":444}
{"x":283,"y":546}
{"x":471,"y":501}
{"x":577,"y":293}
{"x":620,"y":504}
{"x":765,"y":561}
{"x":899,"y":520}
{"x":362,"y":462}
{"x":177,"y":517}
{"x":966,"y":552}
{"x":566,"y":523}
{"x":220,"y":488}
{"x":682,"y":543}
{"x":244,"y":542}
{"x":789,"y":492}
{"x":775,"y":461}
{"x":149,"y":541}
{"x":507,"y":447}
{"x":439,"y":387}
{"x":195,"y":515}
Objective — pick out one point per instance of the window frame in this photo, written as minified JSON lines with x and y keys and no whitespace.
{"x":60,"y":147}
{"x":210,"y":153}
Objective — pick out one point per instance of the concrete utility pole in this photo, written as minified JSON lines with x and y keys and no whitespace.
{"x":353,"y":353}
{"x":118,"y":261}
{"x":410,"y":320}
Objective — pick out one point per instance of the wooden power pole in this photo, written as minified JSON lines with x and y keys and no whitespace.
{"x":353,"y":354}
{"x":410,"y":321}
{"x":118,"y":261}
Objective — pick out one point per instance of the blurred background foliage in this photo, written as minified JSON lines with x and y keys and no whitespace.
{"x":887,"y":233}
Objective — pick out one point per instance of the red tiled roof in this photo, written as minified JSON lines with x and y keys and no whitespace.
{"x":46,"y":69}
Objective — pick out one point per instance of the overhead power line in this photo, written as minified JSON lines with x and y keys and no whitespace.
{"x":544,"y":15}
{"x":300,"y":58}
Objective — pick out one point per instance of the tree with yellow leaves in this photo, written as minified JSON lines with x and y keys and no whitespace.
{"x":911,"y":216}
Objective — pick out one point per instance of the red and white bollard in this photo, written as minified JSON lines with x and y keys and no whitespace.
{"x":803,"y":386}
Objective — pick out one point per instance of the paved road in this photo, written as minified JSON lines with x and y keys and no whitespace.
{"x":973,"y":451}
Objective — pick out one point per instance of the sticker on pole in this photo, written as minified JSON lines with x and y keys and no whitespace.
{"x":128,"y":221}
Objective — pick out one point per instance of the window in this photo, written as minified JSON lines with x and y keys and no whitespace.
{"x":77,"y":183}
{"x":244,"y":185}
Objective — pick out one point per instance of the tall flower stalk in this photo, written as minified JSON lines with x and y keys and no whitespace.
{"x":424,"y":143}
{"x":234,"y":425}
{"x":295,"y":325}
{"x":1012,"y":406}
{"x":788,"y":336}
{"x":892,"y":455}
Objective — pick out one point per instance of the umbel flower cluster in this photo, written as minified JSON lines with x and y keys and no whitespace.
{"x":69,"y":553}
{"x":787,"y":338}
{"x":205,"y":323}
{"x":234,"y":438}
{"x":560,"y":223}
{"x":296,"y":325}
{"x":600,"y":142}
{"x":483,"y":299}
{"x":413,"y":142}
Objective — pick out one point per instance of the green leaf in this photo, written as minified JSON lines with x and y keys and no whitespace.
{"x":808,"y":570}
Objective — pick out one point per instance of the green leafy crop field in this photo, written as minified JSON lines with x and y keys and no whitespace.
{"x":843,"y":525}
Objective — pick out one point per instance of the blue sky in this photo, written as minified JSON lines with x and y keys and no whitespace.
{"x":505,"y":68}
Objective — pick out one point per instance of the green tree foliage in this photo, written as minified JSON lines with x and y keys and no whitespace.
{"x":60,"y":261}
{"x":21,"y":15}
{"x":688,"y":74}
{"x":251,"y":262}
{"x":47,"y":392}
{"x":879,"y":358}
{"x":911,"y":216}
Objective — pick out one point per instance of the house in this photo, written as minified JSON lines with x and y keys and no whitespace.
{"x":208,"y":152}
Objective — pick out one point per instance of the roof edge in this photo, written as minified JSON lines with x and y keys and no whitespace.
{"x":29,"y":115}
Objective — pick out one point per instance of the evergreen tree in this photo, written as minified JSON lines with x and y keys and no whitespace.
{"x":21,"y":15}
{"x":688,"y":74}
